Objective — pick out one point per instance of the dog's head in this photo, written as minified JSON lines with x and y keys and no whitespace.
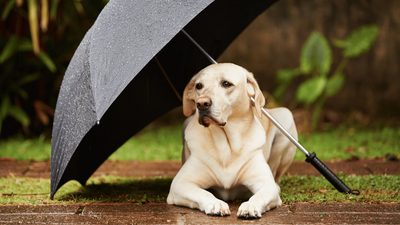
{"x":220,"y":91}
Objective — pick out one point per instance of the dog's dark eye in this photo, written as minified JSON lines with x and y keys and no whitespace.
{"x":226,"y":84}
{"x":199,"y":86}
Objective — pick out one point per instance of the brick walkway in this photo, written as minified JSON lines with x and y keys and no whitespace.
{"x":299,"y":213}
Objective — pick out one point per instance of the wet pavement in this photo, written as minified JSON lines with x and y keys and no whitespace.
{"x":300,"y":213}
{"x":161,"y":213}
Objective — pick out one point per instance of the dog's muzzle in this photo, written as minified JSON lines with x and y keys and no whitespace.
{"x":205,"y":119}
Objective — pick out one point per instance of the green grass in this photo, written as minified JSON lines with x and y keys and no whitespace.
{"x":165,"y":143}
{"x":373,"y":188}
{"x":104,"y":189}
{"x":26,"y":149}
{"x":111,"y":189}
{"x":344,"y":143}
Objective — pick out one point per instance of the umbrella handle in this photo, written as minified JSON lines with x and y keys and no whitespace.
{"x":329,"y":175}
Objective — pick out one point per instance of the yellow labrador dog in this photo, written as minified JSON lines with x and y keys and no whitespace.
{"x":230,"y":149}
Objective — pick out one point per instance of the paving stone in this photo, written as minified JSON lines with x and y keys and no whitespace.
{"x":299,"y":213}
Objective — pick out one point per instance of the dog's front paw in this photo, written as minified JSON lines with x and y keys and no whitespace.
{"x":248,"y":210}
{"x":217,"y":208}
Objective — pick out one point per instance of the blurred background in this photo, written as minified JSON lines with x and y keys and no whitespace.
{"x":38,"y":39}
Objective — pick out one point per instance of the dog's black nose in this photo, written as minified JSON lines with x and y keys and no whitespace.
{"x":203,"y":103}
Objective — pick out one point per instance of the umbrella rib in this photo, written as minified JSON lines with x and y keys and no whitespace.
{"x":199,"y":47}
{"x":169,"y":81}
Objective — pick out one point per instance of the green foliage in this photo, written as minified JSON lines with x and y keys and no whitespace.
{"x":286,"y":75}
{"x":311,"y":89}
{"x":14,"y":89}
{"x":316,"y":60}
{"x":38,"y":37}
{"x":9,"y":49}
{"x":316,"y":55}
{"x":334,"y":84}
{"x":359,"y":41}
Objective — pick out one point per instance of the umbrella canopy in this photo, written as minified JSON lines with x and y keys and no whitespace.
{"x":115,"y":83}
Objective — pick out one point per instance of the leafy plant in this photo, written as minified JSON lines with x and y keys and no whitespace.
{"x":14,"y":89}
{"x":37,"y":41}
{"x":316,"y":61}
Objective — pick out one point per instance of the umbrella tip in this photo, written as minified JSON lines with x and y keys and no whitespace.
{"x":98,"y":122}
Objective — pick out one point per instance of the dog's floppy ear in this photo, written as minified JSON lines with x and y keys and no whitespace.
{"x":188,"y":99}
{"x":253,"y":90}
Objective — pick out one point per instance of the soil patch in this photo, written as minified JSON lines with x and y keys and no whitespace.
{"x":9,"y":167}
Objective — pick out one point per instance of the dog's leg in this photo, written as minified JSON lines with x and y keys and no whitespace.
{"x":282,"y":149}
{"x":266,"y":192}
{"x":189,"y":191}
{"x":197,"y":198}
{"x":185,"y":151}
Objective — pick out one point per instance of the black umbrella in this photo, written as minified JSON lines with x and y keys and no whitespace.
{"x":129,"y":69}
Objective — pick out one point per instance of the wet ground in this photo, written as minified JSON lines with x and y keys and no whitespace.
{"x":10,"y":167}
{"x":299,"y":213}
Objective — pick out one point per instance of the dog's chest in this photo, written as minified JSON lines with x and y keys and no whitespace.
{"x":216,"y":149}
{"x":228,"y":177}
{"x":223,"y":157}
{"x":224,"y":153}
